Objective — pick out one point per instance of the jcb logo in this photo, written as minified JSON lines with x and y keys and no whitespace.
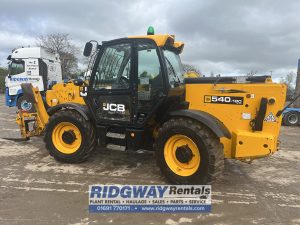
{"x":114,"y":107}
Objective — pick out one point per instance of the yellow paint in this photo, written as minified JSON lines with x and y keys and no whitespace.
{"x":59,"y":94}
{"x":246,"y":144}
{"x":199,"y":97}
{"x":34,"y":117}
{"x":41,"y":111}
{"x":191,"y":74}
{"x":181,"y":169}
{"x":163,"y":39}
{"x":57,"y":139}
{"x":64,"y":93}
{"x":178,"y":44}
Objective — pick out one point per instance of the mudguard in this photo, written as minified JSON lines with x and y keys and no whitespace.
{"x":214,"y":124}
{"x":82,"y":109}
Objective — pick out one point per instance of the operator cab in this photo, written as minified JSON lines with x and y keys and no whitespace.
{"x":132,"y":78}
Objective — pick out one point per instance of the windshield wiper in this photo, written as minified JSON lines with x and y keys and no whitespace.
{"x":173,"y":71}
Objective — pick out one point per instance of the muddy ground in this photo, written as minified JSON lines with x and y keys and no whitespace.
{"x":35,"y":189}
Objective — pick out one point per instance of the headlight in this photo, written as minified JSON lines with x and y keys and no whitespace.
{"x":13,"y":91}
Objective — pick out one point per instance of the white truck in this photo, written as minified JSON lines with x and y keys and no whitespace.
{"x":33,"y":65}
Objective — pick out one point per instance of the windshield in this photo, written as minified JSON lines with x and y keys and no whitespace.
{"x":174,"y":66}
{"x":16,"y":67}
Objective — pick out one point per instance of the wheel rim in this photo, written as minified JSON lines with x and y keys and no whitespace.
{"x":182,"y":155}
{"x":66,"y":137}
{"x":293,"y":119}
{"x":26,"y":106}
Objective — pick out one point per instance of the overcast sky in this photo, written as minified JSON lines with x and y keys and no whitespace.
{"x":227,"y":37}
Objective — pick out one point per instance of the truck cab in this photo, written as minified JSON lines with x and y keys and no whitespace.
{"x":33,"y":65}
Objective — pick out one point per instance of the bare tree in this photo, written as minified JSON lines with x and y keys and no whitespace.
{"x":297,"y":88}
{"x":289,"y":80}
{"x":60,"y":43}
{"x":191,"y":68}
{"x":251,"y":73}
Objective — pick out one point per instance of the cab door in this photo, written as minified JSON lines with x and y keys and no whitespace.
{"x":111,"y":91}
{"x":151,"y":83}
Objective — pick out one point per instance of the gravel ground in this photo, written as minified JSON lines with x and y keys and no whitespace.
{"x":35,"y":189}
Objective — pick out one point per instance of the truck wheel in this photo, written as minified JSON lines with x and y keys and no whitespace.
{"x":188,"y":152}
{"x":291,"y":118}
{"x":69,"y":137}
{"x":25,"y":105}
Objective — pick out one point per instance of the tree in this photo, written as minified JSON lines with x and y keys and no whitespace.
{"x":191,"y":68}
{"x":289,"y":80}
{"x":61,"y":43}
{"x":3,"y":73}
{"x":251,"y":73}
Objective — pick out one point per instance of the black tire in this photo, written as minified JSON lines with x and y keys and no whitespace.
{"x":87,"y":131}
{"x":21,"y":100}
{"x":208,"y":144}
{"x":291,"y":118}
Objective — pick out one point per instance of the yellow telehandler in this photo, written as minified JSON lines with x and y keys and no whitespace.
{"x":138,"y":97}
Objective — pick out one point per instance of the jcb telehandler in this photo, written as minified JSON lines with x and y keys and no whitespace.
{"x":137,"y":97}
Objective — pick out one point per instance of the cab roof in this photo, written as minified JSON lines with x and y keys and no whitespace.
{"x":33,"y":52}
{"x":163,"y":40}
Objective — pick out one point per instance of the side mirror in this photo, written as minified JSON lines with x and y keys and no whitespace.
{"x":88,"y":49}
{"x":9,"y":57}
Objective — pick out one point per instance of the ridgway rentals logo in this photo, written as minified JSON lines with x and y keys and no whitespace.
{"x":149,"y":198}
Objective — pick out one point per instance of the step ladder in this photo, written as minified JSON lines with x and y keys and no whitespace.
{"x":116,"y":141}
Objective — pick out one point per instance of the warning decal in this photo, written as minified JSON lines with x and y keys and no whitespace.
{"x":270,"y":118}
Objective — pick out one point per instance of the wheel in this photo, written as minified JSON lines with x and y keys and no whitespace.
{"x":69,"y":137}
{"x":25,"y":105}
{"x":188,"y":152}
{"x":291,"y":118}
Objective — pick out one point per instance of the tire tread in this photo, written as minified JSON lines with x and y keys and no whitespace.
{"x":89,"y":129}
{"x":211,"y":141}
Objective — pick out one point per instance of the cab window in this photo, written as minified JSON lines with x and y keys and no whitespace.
{"x":17,"y":67}
{"x":149,"y":72}
{"x":113,"y":71}
{"x":174,"y":67}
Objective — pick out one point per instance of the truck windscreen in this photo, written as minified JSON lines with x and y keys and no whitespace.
{"x":16,"y":67}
